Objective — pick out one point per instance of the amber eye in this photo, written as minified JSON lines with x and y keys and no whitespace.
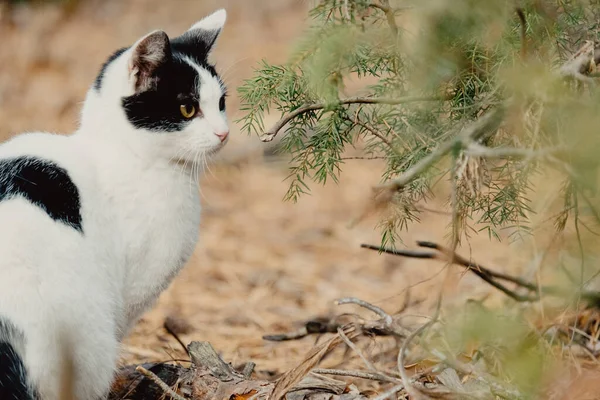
{"x":187,"y":110}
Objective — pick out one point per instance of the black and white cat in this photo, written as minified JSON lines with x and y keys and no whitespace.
{"x":95,"y":225}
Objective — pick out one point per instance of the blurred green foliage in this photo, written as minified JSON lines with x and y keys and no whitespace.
{"x":471,"y":56}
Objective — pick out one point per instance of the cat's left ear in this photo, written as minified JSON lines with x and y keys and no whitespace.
{"x":206,"y":31}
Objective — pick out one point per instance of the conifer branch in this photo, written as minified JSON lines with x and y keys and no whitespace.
{"x":378,"y":135}
{"x":477,"y":150}
{"x":389,"y":14}
{"x":472,"y":133}
{"x":271,"y":133}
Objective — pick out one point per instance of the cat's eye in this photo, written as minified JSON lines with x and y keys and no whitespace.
{"x":222,"y":103}
{"x":188,"y":110}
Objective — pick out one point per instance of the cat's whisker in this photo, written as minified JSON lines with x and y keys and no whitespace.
{"x":228,"y":71}
{"x":200,"y":158}
{"x":205,"y":161}
{"x":196,"y":167}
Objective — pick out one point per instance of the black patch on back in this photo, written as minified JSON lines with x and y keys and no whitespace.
{"x":44,"y":184}
{"x":113,"y":57}
{"x":13,"y":376}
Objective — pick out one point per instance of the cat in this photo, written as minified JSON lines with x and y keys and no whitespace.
{"x":95,"y":225}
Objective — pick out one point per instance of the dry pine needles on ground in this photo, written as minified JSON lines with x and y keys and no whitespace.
{"x":405,"y":366}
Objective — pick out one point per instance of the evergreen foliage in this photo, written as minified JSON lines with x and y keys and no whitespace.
{"x":497,"y":102}
{"x":455,"y":61}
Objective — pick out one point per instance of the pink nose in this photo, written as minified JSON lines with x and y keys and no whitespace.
{"x":222,"y":135}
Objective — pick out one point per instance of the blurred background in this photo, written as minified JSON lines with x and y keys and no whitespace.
{"x":262,"y":264}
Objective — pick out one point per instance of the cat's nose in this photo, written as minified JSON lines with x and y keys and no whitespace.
{"x":222,"y":135}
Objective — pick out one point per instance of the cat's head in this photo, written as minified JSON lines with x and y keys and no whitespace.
{"x":161,"y":96}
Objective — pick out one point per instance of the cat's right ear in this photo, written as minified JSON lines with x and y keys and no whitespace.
{"x":148,"y":56}
{"x":204,"y":33}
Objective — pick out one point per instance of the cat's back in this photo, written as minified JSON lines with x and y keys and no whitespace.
{"x":42,"y":178}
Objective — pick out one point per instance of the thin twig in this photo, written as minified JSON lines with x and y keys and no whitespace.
{"x":404,"y":253}
{"x":486,"y":274}
{"x":385,"y":395}
{"x":364,"y":158}
{"x":356,"y":350}
{"x":523,"y":20}
{"x":478,"y":130}
{"x":316,"y":326}
{"x":347,"y":11}
{"x":377,"y":310}
{"x":475,"y":268}
{"x":271,"y":133}
{"x":472,"y":265}
{"x":414,"y":393}
{"x":165,"y":388}
{"x":379,"y":135}
{"x":248,"y":369}
{"x":375,"y":376}
{"x":477,"y":150}
{"x":389,"y":14}
{"x":171,"y":332}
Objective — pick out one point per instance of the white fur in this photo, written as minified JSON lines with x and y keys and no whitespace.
{"x":140,"y":210}
{"x":212,"y":22}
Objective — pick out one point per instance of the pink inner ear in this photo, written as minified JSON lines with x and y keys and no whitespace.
{"x":151,"y":53}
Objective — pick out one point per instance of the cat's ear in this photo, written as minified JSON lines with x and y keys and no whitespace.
{"x":149,"y":54}
{"x":207,"y":30}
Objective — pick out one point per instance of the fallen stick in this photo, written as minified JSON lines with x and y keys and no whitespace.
{"x":491,"y":277}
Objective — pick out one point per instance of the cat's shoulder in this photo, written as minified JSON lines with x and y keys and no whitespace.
{"x":34,"y":144}
{"x":60,"y":149}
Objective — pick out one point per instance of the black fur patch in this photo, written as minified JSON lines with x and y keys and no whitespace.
{"x":158,"y":109}
{"x":176,"y":84}
{"x":195,"y":48}
{"x":113,"y":57}
{"x":43,"y":183}
{"x":13,"y":376}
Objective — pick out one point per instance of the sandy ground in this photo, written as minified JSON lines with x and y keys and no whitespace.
{"x":262,"y":263}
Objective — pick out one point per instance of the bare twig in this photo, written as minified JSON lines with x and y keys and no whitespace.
{"x":347,"y":11}
{"x":472,"y":265}
{"x":375,"y":376}
{"x":271,"y":133}
{"x":477,"y":150}
{"x":316,"y":326}
{"x":414,"y":393}
{"x":354,"y":347}
{"x":248,"y":369}
{"x":490,"y":276}
{"x":377,"y":310}
{"x":405,"y":253}
{"x":150,"y":375}
{"x":204,"y":355}
{"x":484,"y":273}
{"x":172,"y":332}
{"x":385,"y":395}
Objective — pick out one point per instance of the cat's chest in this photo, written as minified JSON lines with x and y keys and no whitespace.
{"x":156,"y":219}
